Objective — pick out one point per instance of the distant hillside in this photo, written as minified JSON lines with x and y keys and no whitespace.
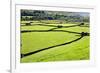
{"x":54,"y":15}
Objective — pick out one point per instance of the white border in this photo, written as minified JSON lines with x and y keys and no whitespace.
{"x":15,"y":59}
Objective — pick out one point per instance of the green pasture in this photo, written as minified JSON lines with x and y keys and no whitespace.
{"x":33,"y":41}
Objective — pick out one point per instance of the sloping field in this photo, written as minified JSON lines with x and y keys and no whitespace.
{"x":42,"y":43}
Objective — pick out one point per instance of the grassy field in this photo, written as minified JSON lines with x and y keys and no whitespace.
{"x":33,"y":41}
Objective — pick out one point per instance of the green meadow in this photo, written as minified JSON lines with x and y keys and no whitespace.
{"x":36,"y":40}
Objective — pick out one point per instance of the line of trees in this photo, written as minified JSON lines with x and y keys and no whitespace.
{"x":52,"y":15}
